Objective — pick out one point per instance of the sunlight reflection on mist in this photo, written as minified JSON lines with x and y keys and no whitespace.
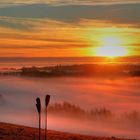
{"x":18,"y":94}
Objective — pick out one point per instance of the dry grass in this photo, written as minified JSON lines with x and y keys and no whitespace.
{"x":16,"y":132}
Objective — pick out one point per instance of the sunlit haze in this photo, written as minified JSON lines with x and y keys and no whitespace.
{"x":84,"y":55}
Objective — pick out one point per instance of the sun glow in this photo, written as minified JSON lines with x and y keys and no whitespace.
{"x":111,"y":47}
{"x":110,"y":51}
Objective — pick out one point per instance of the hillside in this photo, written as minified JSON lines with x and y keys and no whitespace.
{"x":17,"y":132}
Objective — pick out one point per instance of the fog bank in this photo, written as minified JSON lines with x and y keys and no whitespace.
{"x":18,"y":94}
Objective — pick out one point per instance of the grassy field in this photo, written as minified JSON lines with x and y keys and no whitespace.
{"x":17,"y":132}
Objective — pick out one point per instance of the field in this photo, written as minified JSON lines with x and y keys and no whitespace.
{"x":17,"y":132}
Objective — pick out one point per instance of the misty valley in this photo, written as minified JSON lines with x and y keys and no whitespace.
{"x":86,"y":105}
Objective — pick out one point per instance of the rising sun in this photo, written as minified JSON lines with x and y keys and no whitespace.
{"x":111,"y":47}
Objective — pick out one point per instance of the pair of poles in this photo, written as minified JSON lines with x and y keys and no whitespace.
{"x":38,"y":106}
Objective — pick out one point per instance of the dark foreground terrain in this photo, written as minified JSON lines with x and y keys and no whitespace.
{"x":17,"y":132}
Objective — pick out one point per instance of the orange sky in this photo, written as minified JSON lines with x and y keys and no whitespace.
{"x":49,"y":37}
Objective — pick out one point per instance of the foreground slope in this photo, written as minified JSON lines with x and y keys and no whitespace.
{"x":17,"y":132}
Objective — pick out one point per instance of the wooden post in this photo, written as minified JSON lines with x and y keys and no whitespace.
{"x":47,"y":100}
{"x":38,"y":106}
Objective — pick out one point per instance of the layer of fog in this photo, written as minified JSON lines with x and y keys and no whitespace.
{"x":18,"y":94}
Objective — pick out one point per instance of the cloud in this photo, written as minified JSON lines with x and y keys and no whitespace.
{"x":68,"y":2}
{"x":35,"y":37}
{"x":40,"y":29}
{"x":124,"y":14}
{"x":14,"y":24}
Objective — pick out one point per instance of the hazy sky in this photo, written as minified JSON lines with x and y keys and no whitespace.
{"x":53,"y":28}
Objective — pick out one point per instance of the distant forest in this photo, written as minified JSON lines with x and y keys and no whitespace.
{"x":96,"y":70}
{"x":69,"y":110}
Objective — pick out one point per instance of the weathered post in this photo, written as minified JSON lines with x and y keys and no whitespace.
{"x":38,"y":106}
{"x":47,"y":100}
